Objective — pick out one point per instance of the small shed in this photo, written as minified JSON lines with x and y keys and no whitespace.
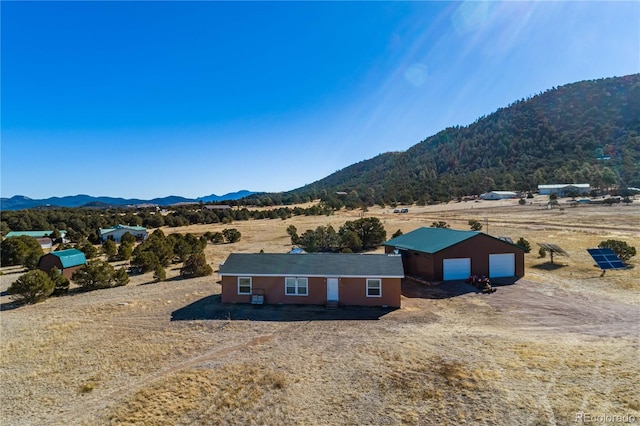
{"x":312,"y":278}
{"x":441,"y":254}
{"x":68,"y":261}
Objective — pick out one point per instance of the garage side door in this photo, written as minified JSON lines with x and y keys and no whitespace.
{"x":502,"y":265}
{"x":456,"y":269}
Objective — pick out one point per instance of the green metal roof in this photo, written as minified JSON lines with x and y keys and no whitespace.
{"x":126,"y":227}
{"x":313,"y":265}
{"x":70,"y":257}
{"x":430,"y":240}
{"x":34,"y":234}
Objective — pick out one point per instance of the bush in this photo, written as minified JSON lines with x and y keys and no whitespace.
{"x":61,"y":283}
{"x":623,"y":250}
{"x":21,"y":250}
{"x":196,"y":266}
{"x":440,"y":224}
{"x":159,"y":274}
{"x":231,"y":235}
{"x":34,"y":286}
{"x":524,"y":244}
{"x":98,"y":274}
{"x":542,"y":253}
{"x":89,"y":250}
{"x":475,"y":225}
{"x":397,"y":234}
{"x":120,"y":278}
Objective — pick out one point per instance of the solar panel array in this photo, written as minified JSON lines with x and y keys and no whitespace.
{"x":553,"y":249}
{"x":606,"y":258}
{"x":507,"y":239}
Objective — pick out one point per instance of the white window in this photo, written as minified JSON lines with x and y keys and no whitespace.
{"x":374,"y":287}
{"x":244,"y":285}
{"x":296,"y":286}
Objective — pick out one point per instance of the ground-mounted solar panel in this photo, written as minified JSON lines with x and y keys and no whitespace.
{"x":605,"y":258}
{"x":553,"y":248}
{"x":506,"y":239}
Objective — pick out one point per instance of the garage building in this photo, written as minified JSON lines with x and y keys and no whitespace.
{"x":440,"y":254}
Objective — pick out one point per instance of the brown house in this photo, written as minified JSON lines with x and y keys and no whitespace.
{"x":439,"y":254}
{"x":312,"y":278}
{"x":67,"y":261}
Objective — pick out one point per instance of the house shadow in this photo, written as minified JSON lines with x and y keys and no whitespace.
{"x":212,"y":308}
{"x":447,"y":289}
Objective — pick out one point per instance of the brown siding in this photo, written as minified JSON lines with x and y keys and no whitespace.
{"x":416,"y":264}
{"x":352,"y":291}
{"x":49,"y":261}
{"x":478,"y":248}
{"x":68,"y":272}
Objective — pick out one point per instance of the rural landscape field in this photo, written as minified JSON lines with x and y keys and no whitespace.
{"x":558,"y":346}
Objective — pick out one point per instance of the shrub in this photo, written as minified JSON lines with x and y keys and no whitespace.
{"x":61,"y":283}
{"x":22,"y":250}
{"x":34,"y":286}
{"x":109,"y":248}
{"x":231,"y":235}
{"x":522,"y":201}
{"x":196,"y":266}
{"x":524,"y":244}
{"x":89,"y":250}
{"x":440,"y":224}
{"x":217,"y":238}
{"x":120,"y":278}
{"x":98,"y":274}
{"x":159,"y":274}
{"x":542,"y":252}
{"x":475,"y":225}
{"x":397,"y":234}
{"x":623,"y":250}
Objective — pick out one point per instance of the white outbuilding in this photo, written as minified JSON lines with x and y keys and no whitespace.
{"x":499,"y":195}
{"x":116,"y":233}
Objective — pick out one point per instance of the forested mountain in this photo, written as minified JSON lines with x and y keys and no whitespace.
{"x":586,"y":132}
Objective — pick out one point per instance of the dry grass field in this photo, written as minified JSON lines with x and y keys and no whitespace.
{"x":561,"y":341}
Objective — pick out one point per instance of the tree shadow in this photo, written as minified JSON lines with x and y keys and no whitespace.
{"x":9,"y":306}
{"x":548,"y":266}
{"x":212,"y":308}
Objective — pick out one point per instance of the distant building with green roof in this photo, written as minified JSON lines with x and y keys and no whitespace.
{"x":116,"y":233}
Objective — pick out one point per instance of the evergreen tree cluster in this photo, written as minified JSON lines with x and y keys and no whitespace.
{"x":353,"y":236}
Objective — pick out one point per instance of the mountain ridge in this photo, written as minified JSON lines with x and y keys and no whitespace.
{"x":19,"y":202}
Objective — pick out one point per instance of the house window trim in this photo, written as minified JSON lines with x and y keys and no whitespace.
{"x":379,"y":280}
{"x":297,"y":286}
{"x":250,"y":285}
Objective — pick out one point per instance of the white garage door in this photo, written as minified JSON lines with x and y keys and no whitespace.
{"x":502,"y":265}
{"x":456,"y":269}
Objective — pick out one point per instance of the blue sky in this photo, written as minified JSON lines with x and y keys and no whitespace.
{"x":149,"y":99}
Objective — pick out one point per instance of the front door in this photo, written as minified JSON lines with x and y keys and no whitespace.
{"x":332,"y":289}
